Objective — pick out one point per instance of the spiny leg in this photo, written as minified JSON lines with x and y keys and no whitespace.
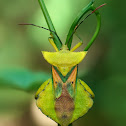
{"x":78,"y":44}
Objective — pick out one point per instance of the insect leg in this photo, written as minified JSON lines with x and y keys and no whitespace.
{"x":78,"y":44}
{"x":53,"y":44}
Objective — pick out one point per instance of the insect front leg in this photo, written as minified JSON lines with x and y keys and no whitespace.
{"x":78,"y":44}
{"x":53,"y":44}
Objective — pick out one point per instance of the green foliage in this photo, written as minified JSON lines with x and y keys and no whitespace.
{"x":76,"y":21}
{"x":104,"y":64}
{"x":74,"y":24}
{"x":50,"y":24}
{"x":22,"y":79}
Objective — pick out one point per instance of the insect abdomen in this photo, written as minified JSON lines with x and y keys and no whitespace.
{"x":64,"y":107}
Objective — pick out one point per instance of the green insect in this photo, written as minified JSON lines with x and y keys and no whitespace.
{"x":63,"y":97}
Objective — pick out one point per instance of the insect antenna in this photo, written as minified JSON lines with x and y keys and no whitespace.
{"x":41,"y":27}
{"x":76,"y":27}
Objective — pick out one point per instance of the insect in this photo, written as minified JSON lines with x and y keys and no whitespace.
{"x":63,"y":97}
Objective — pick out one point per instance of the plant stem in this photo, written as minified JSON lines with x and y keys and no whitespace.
{"x":56,"y":39}
{"x":97,"y":29}
{"x":77,"y":19}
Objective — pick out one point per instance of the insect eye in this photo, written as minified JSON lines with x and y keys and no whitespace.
{"x":72,"y":82}
{"x":56,"y":82}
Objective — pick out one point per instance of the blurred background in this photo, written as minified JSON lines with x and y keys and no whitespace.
{"x":23,"y":68}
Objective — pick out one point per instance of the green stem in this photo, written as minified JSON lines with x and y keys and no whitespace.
{"x":77,"y":19}
{"x":97,"y":29}
{"x":56,"y":39}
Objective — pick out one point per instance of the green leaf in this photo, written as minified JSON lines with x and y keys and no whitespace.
{"x":22,"y":79}
{"x":75,"y":22}
{"x":56,"y":39}
{"x":97,"y":28}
